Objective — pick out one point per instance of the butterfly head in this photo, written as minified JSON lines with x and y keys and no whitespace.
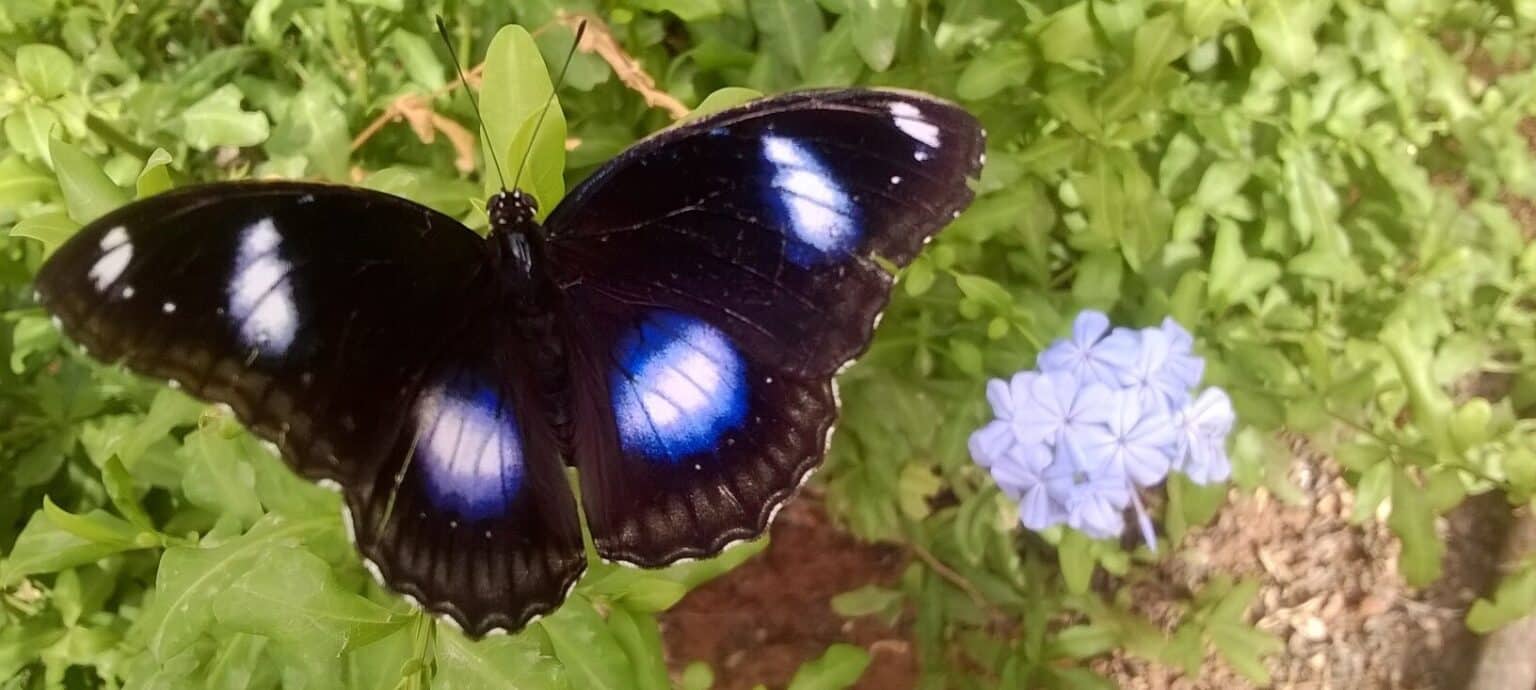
{"x":512,"y":210}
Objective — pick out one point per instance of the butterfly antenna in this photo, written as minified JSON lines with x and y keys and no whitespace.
{"x":581,"y":29}
{"x":442,"y":29}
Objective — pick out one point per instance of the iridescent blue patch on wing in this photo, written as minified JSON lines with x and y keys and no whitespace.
{"x":680,"y":385}
{"x":469,"y":450}
{"x":811,"y":204}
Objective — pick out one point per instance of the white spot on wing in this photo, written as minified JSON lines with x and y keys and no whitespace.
{"x":910,"y":121}
{"x":117,"y":251}
{"x":819,"y":212}
{"x":260,"y":295}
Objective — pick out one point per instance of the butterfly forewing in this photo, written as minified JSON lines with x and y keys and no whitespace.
{"x":717,"y":276}
{"x":350,"y":328}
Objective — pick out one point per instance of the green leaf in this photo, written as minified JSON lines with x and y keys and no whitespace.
{"x":156,"y":176}
{"x":1004,"y":65}
{"x":1067,"y":37}
{"x":791,"y":29}
{"x":1284,"y":31}
{"x":1374,"y":487}
{"x":1413,"y":521}
{"x":191,"y":579}
{"x":876,"y":26}
{"x":45,"y":546}
{"x":686,"y":10}
{"x":1203,"y":18}
{"x":1081,"y":642}
{"x":88,"y":192}
{"x":1076,"y":553}
{"x":124,"y":495}
{"x":496,"y":663}
{"x":515,"y":86}
{"x":1244,"y":648}
{"x":697,"y":676}
{"x":49,"y":228}
{"x":640,"y":638}
{"x":22,"y":184}
{"x":218,"y":120}
{"x":1157,"y":42}
{"x":315,"y":127}
{"x":1514,"y":599}
{"x":723,"y":99}
{"x":97,"y":527}
{"x":419,"y":58}
{"x":867,"y":600}
{"x":839,"y":667}
{"x":291,"y":597}
{"x":635,"y":589}
{"x":837,"y":61}
{"x":1221,"y":182}
{"x":584,"y":643}
{"x":46,"y":70}
{"x":1098,"y":279}
{"x":219,"y":478}
{"x":917,"y":484}
{"x":547,"y":182}
{"x":29,"y":129}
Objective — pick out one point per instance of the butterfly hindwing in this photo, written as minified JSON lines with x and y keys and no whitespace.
{"x":684,"y":443}
{"x":354,"y":330}
{"x":717,"y":275}
{"x":471,"y":512}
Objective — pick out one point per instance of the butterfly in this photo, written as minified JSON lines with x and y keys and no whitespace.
{"x":672,"y":330}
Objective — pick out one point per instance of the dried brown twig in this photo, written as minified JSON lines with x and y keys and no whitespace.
{"x":599,"y":39}
{"x":411,"y":107}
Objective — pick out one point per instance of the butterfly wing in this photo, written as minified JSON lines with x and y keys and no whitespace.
{"x":721,"y":273}
{"x":346,"y":326}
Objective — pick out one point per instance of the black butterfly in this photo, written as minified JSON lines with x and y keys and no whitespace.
{"x":673,"y":329}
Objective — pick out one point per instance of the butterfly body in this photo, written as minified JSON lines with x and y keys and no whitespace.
{"x":672,"y":330}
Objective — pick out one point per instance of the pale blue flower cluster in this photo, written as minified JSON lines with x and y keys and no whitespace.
{"x":1107,"y":411}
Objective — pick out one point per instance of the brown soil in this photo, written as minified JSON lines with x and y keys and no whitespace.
{"x":1330,"y":590}
{"x":760,"y":622}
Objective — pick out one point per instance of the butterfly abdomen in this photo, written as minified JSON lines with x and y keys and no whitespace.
{"x":529,"y":301}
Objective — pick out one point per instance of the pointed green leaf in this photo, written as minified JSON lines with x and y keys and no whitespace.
{"x":791,"y":29}
{"x":49,"y":228}
{"x":156,"y":176}
{"x":876,"y":27}
{"x":839,"y":667}
{"x":88,"y":192}
{"x":514,"y":88}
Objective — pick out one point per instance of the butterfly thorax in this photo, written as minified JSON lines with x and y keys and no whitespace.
{"x":530,"y":299}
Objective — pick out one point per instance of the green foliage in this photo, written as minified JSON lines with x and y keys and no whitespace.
{"x":1271,"y":173}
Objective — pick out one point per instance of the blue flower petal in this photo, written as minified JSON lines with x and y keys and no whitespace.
{"x":989,"y":444}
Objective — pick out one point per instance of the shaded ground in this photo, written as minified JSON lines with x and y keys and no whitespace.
{"x":760,"y":622}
